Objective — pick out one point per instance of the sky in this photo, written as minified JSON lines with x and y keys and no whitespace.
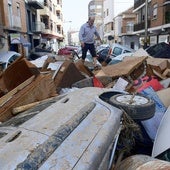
{"x":75,"y":12}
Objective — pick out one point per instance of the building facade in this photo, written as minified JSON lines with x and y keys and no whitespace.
{"x":13,"y":26}
{"x":95,"y":8}
{"x":24,"y":24}
{"x":51,"y":23}
{"x":153,"y":21}
{"x":124,"y":28}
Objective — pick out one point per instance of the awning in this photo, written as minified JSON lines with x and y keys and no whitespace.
{"x":19,"y":39}
{"x":24,"y":42}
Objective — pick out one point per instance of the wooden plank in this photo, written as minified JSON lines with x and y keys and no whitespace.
{"x":19,"y":109}
{"x":9,"y":95}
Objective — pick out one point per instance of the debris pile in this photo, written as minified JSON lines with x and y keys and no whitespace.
{"x":23,"y":82}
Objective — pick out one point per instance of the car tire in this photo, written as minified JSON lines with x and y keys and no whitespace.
{"x":138,"y":108}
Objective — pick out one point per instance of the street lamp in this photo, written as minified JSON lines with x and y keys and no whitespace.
{"x":146,"y":24}
{"x":66,"y":30}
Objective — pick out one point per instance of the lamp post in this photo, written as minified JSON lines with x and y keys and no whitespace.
{"x":146,"y":24}
{"x":67,"y":30}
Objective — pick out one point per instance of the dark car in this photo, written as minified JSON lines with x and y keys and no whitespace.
{"x":160,"y":50}
{"x":102,"y":54}
{"x":39,"y":51}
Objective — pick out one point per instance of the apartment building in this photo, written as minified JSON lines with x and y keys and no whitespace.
{"x":108,"y":15}
{"x":153,"y":21}
{"x":95,"y":8}
{"x":24,"y":24}
{"x":124,"y":28}
{"x":50,"y":23}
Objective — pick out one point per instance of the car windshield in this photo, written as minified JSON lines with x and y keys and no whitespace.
{"x":117,"y":51}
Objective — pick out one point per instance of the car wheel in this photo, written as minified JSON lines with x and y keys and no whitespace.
{"x":138,"y":107}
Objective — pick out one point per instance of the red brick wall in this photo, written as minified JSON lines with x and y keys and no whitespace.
{"x":160,"y":13}
{"x":4,"y":6}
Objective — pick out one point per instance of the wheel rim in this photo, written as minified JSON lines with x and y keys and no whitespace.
{"x":132,"y":100}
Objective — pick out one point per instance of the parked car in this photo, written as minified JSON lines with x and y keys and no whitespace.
{"x":39,"y":51}
{"x":116,"y":50}
{"x":160,"y":50}
{"x":119,"y":58}
{"x":7,"y":58}
{"x":67,"y":50}
{"x":37,"y":55}
{"x":102,"y":54}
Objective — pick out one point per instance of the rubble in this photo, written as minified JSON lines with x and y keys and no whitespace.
{"x":25,"y":84}
{"x":48,"y":81}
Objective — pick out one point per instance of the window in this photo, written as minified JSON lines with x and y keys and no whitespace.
{"x":50,"y":5}
{"x":45,"y":2}
{"x":98,"y":7}
{"x":155,"y":11}
{"x":132,"y":45}
{"x":10,"y":12}
{"x":53,"y":9}
{"x":143,"y":14}
{"x":129,"y":27}
{"x":92,"y":7}
{"x":107,"y":12}
{"x":58,"y":14}
{"x":18,"y":10}
{"x":51,"y":24}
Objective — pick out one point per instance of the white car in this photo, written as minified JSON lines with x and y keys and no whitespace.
{"x":66,"y":134}
{"x":7,"y":58}
{"x":117,"y":49}
{"x":119,"y":58}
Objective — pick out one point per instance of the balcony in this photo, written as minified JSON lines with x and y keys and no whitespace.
{"x":167,"y":17}
{"x":38,"y":27}
{"x":167,"y":2}
{"x":37,"y":4}
{"x":141,"y":26}
{"x":137,"y":3}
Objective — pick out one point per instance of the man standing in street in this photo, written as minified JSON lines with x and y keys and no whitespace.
{"x":87,"y":35}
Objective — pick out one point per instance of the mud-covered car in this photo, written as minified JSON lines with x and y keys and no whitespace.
{"x":71,"y":131}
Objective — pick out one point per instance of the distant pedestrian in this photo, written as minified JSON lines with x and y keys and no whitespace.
{"x":87,"y":35}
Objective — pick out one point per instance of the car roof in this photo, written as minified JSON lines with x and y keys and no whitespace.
{"x":122,"y":56}
{"x":5,"y":55}
{"x":121,"y":46}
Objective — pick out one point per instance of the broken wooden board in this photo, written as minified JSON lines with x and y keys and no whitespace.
{"x":67,"y":75}
{"x":9,"y":95}
{"x":158,"y":64}
{"x":41,"y":88}
{"x":82,"y":68}
{"x":124,"y":68}
{"x":17,"y":73}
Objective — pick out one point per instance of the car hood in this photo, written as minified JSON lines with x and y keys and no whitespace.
{"x":4,"y":56}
